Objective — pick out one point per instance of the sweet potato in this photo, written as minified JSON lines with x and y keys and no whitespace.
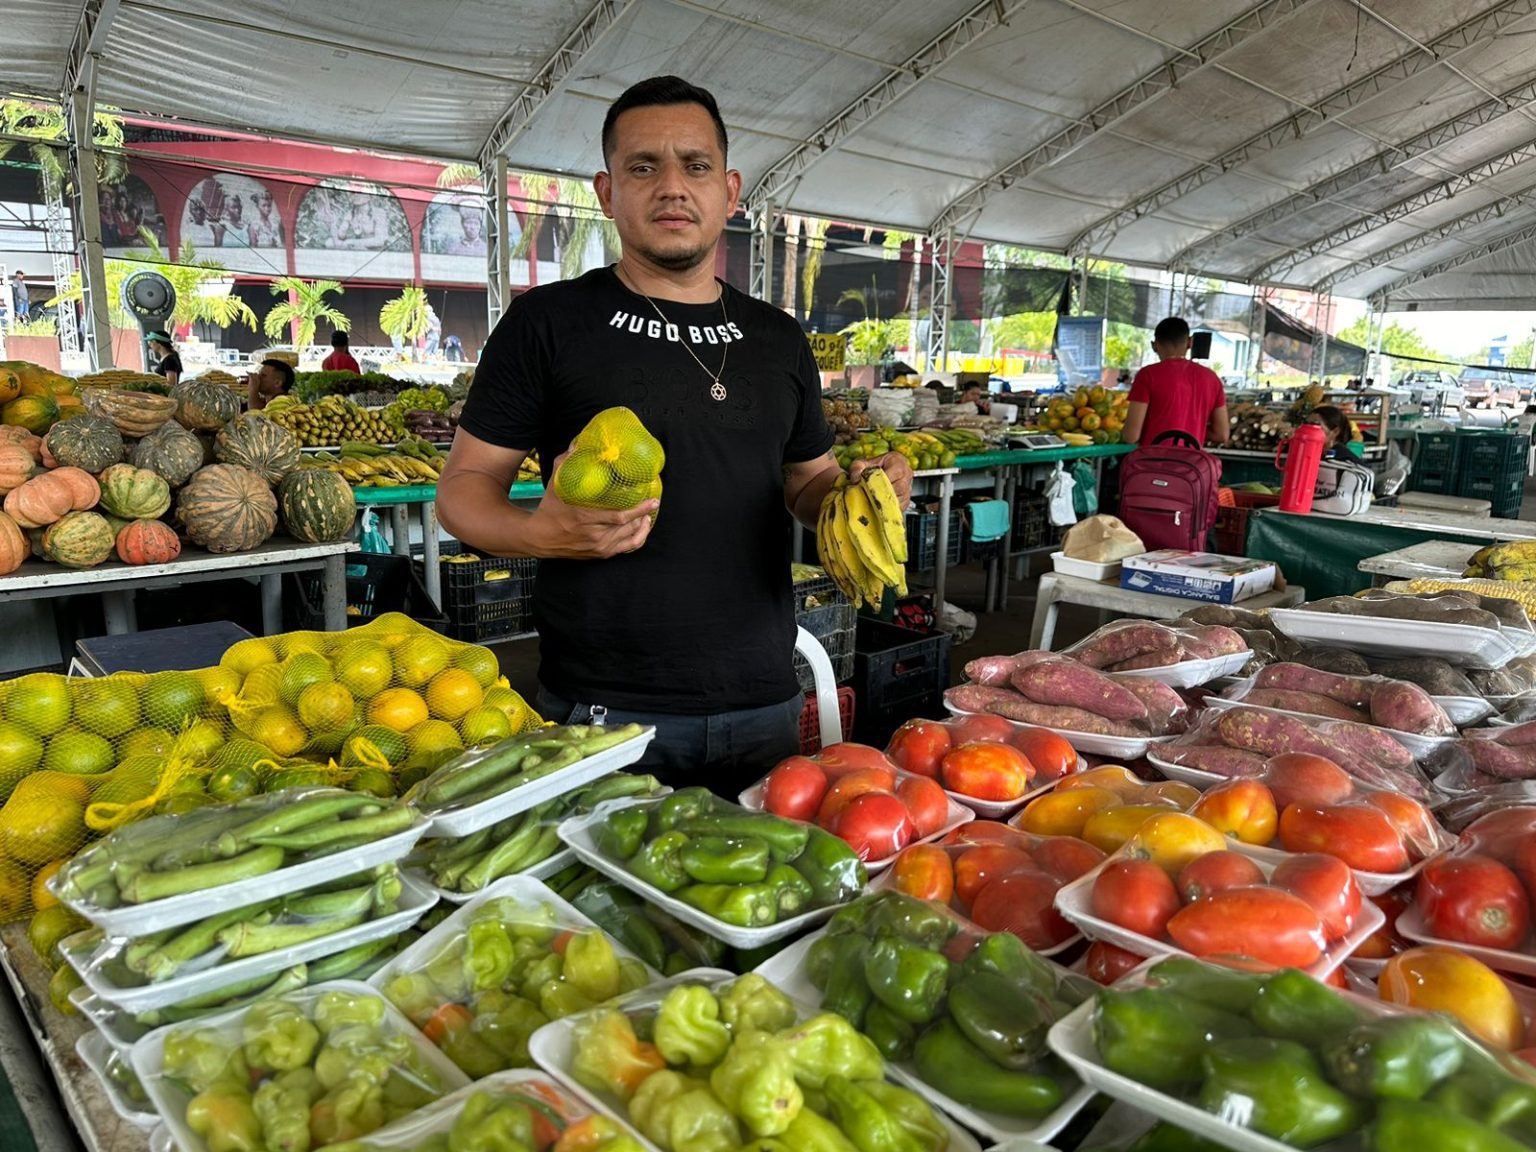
{"x":1161,"y":659}
{"x":1433,"y":675}
{"x":1406,"y":707}
{"x":1502,"y":760}
{"x":1166,"y":711}
{"x":1223,"y":615}
{"x":1123,"y":640}
{"x":1207,"y":641}
{"x":977,"y":697}
{"x":1446,"y":608}
{"x":1292,"y":700}
{"x":1370,"y":744}
{"x":1217,"y":759}
{"x":1055,"y":716}
{"x":1517,"y":736}
{"x":1333,"y":660}
{"x":1064,"y":682}
{"x":1268,"y":734}
{"x":993,"y":671}
{"x":1348,"y":690}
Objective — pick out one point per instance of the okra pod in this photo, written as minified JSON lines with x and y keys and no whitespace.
{"x":342,"y":965}
{"x":386,"y":892}
{"x":535,"y":767}
{"x":377,"y":826}
{"x":325,"y":905}
{"x":293,"y":817}
{"x":289,"y":980}
{"x":449,"y":784}
{"x":147,"y":886}
{"x":513,"y":847}
{"x":192,"y":942}
{"x":248,"y":939}
{"x":445,"y":852}
{"x":615,"y":787}
{"x":140,"y":948}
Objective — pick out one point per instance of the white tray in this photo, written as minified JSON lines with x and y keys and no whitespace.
{"x":174,"y":911}
{"x":463,"y":821}
{"x":577,"y":832}
{"x":1125,"y":747}
{"x":414,"y":902}
{"x":1464,"y":711}
{"x":1369,"y":883}
{"x":1193,"y":673}
{"x":886,"y":881}
{"x":1460,"y":644}
{"x":95,"y":1050}
{"x":1075,"y":902}
{"x":1420,"y":746}
{"x":1195,"y":777}
{"x":1411,"y":925}
{"x":1523,"y":639}
{"x":1085,"y":569}
{"x":959,"y":815}
{"x":543,"y":870}
{"x":786,"y":971}
{"x":171,"y":1100}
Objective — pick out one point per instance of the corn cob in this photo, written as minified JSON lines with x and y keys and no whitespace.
{"x":1522,"y":592}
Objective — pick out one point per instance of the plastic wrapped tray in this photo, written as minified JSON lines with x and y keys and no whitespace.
{"x":960,"y":813}
{"x":415,"y":900}
{"x":1422,"y":747}
{"x":97,"y":1052}
{"x":543,"y":870}
{"x":1411,"y":925}
{"x":1465,"y":711}
{"x":1193,"y":673}
{"x":473,"y":817}
{"x":1461,"y":644}
{"x":1123,"y":747}
{"x":1195,"y":777}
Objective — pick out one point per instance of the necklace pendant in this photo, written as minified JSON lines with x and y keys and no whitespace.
{"x":717,"y":391}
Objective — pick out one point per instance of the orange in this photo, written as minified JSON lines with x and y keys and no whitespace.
{"x":397,"y":708}
{"x":1171,"y":840}
{"x":1439,"y":979}
{"x":41,"y":897}
{"x":419,"y":659}
{"x":453,"y":693}
{"x":1064,"y":813}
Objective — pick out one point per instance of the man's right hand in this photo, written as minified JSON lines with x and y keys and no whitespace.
{"x":572,"y":533}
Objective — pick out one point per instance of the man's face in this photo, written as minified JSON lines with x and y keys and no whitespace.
{"x":470,"y":222}
{"x":668,"y":189}
{"x":268,"y":382}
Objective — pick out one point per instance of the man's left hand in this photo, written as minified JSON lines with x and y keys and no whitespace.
{"x":896,"y":466}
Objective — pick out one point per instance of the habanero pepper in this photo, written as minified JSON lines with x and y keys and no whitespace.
{"x":786,"y":839}
{"x":1277,"y":1088}
{"x":659,"y":862}
{"x":722,"y":860}
{"x":739,"y":905}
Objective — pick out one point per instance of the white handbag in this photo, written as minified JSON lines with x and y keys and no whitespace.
{"x":1343,"y":488}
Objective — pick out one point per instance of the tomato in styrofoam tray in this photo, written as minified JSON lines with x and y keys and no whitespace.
{"x":1104,"y":806}
{"x":923,"y":747}
{"x":1480,"y":893}
{"x":1442,"y":978}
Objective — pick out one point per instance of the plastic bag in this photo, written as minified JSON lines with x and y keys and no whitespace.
{"x":1390,"y":480}
{"x":1058,"y":498}
{"x":1101,"y":539}
{"x":1132,"y":645}
{"x":1395,"y":705}
{"x":370,"y":535}
{"x":1054,"y":690}
{"x":1085,"y":493}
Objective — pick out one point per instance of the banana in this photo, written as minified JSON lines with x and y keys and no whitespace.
{"x":826,"y":548}
{"x":867,"y":536}
{"x":867,"y":586}
{"x":883,"y":499}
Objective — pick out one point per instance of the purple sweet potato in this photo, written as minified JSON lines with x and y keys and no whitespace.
{"x":1518,"y":735}
{"x":977,"y":697}
{"x":1268,"y":733}
{"x":1501,"y":760}
{"x":1166,"y":711}
{"x":1406,"y":707}
{"x":993,"y":671}
{"x":1063,"y":682}
{"x":1350,"y":690}
{"x":1373,"y":745}
{"x":1058,"y":716}
{"x":1160,"y":659}
{"x":1230,"y":762}
{"x":1311,"y":703}
{"x":1207,"y":641}
{"x":1117,"y":643}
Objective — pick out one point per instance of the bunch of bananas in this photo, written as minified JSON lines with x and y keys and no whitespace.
{"x":1513,"y":561}
{"x":861,"y":535}
{"x":334,"y":420}
{"x":370,"y":466}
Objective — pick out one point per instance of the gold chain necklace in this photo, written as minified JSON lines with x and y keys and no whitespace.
{"x":716,"y":389}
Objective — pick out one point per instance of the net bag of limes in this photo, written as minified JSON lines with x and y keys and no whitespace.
{"x":613,"y":463}
{"x":372,"y":709}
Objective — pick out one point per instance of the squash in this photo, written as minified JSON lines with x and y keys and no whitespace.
{"x":15,"y":434}
{"x":148,"y":542}
{"x":134,"y":493}
{"x":34,"y":413}
{"x":16,"y":466}
{"x":78,"y":540}
{"x":40,"y":501}
{"x":136,"y":414}
{"x":14,"y":547}
{"x":204,"y":407}
{"x":260,"y":444}
{"x":318,"y":506}
{"x":171,"y":451}
{"x":10,"y":388}
{"x":82,"y":486}
{"x":227,"y":508}
{"x":88,"y":442}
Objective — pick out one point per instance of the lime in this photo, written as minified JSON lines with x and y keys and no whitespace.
{"x":145,"y":742}
{"x":200,"y":741}
{"x":433,"y":736}
{"x":373,"y":781}
{"x":173,"y":700}
{"x":20,"y":752}
{"x":238,"y":753}
{"x":386,"y":742}
{"x":130,"y":781}
{"x":583,"y":479}
{"x":325,"y":744}
{"x":39,"y":703}
{"x":297,"y":778}
{"x":262,"y":685}
{"x":325,"y":705}
{"x":218,"y":682}
{"x":234,"y":783}
{"x":107,"y":707}
{"x":245,"y":656}
{"x":48,"y":927}
{"x":364,"y":668}
{"x":277,"y":728}
{"x":479,"y":662}
{"x":485,"y":726}
{"x":79,"y":753}
{"x":300,"y":671}
{"x":419,"y":659}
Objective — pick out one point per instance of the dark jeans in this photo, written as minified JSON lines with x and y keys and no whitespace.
{"x":727,"y":752}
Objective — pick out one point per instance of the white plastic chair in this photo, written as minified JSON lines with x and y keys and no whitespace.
{"x":826,"y":687}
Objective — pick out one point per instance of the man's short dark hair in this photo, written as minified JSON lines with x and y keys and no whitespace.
{"x":1171,"y":330}
{"x":338,"y":339}
{"x":284,"y":370}
{"x":658,"y":91}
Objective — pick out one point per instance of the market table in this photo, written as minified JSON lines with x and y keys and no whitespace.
{"x":1324,"y":552}
{"x":1433,"y":559}
{"x":116,"y":582}
{"x":1056,"y":589}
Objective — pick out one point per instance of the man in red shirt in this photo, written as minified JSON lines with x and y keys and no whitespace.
{"x":1175,"y":394}
{"x":340,"y":360}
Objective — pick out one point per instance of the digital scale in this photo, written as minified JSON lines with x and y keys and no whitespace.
{"x":1030,"y":440}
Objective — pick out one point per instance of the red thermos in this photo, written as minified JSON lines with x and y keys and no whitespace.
{"x":1302,"y":454}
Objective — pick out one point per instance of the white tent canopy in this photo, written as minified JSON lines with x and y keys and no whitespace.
{"x":1372,"y":148}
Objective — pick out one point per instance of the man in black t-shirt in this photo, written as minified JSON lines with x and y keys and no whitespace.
{"x":687,"y":624}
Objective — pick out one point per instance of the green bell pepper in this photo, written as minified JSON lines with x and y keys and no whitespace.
{"x":911,"y":1112}
{"x":821,"y":959}
{"x":688,"y":1028}
{"x":1276,"y":1088}
{"x":865,"y":1121}
{"x":619,"y":836}
{"x":1418,"y":1126}
{"x":1165,"y":1137}
{"x":892,"y":913}
{"x":1293,"y":1006}
{"x":790,"y":889}
{"x":756,"y":1081}
{"x":847,"y":991}
{"x":1484,"y":1091}
{"x":1157,"y":1037}
{"x":907,"y":978}
{"x":786,"y":839}
{"x":830,"y":866}
{"x":1395,"y":1057}
{"x":683,"y":805}
{"x":740,"y":905}
{"x":1209,"y":984}
{"x":1003,"y":954}
{"x":891,"y":1034}
{"x":718,"y":860}
{"x":659,"y":863}
{"x":949,"y":1062}
{"x":1005,"y":1021}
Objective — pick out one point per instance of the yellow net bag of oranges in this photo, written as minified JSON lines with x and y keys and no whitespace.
{"x":613,"y":463}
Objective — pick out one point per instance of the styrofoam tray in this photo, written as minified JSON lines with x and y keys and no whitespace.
{"x":553,"y":1049}
{"x":414,"y":902}
{"x":1075,"y":902}
{"x":1420,"y":746}
{"x":959,"y":815}
{"x":1523,"y":639}
{"x":463,"y":821}
{"x":577,"y":832}
{"x":174,"y":911}
{"x":1193,"y":673}
{"x":886,"y":881}
{"x":543,"y":870}
{"x":1411,"y":925}
{"x":1127,"y":747}
{"x":95,"y":1050}
{"x":1195,"y":777}
{"x":1085,"y":569}
{"x":170,"y":1099}
{"x":1369,"y":883}
{"x":786,"y":971}
{"x":1461,"y":644}
{"x":1464,"y":711}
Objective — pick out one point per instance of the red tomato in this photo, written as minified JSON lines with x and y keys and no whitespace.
{"x":986,"y":862}
{"x":875,"y":825}
{"x":1023,"y":903}
{"x":845,"y":788}
{"x":1419,"y":832}
{"x":1500,"y":834}
{"x":987,"y":771}
{"x":1135,"y":894}
{"x":1208,"y":874}
{"x":1244,"y":809}
{"x":1473,"y":899}
{"x":926,"y":803}
{"x":1385,"y":942}
{"x":1357,"y":834}
{"x":795,"y":788}
{"x":979,"y":728}
{"x":1105,"y":963}
{"x":841,"y":759}
{"x":918,"y":746}
{"x":924,"y":871}
{"x":985,"y":832}
{"x":1525,"y":865}
{"x":1271,"y":926}
{"x":1066,"y":857}
{"x":1327,"y":884}
{"x":1335,"y":979}
{"x":1050,"y":754}
{"x":1301,"y":778}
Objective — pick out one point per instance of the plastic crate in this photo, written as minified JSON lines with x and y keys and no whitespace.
{"x":810,"y":720}
{"x":1032,"y":527}
{"x":897,"y":674}
{"x":1434,"y":463}
{"x":1231,"y":531}
{"x":923,"y":539}
{"x":486,"y":600}
{"x":1505,"y":493}
{"x":829,"y":616}
{"x":376,"y":584}
{"x":1492,"y":453}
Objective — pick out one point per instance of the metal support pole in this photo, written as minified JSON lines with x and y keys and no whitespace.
{"x":760,"y":279}
{"x":86,"y":217}
{"x":498,"y":252}
{"x":1325,"y":315}
{"x":943,"y":298}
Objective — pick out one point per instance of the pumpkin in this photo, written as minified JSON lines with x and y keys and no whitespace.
{"x":79,"y":540}
{"x":35,"y":541}
{"x":318,"y":506}
{"x":88,"y":442}
{"x":117,"y":523}
{"x":34,"y":413}
{"x":41,"y":500}
{"x":134,"y":493}
{"x":227,"y":508}
{"x":10,"y":385}
{"x":16,"y":466}
{"x":204,"y":407}
{"x":136,"y":414}
{"x":82,"y":486}
{"x":14,"y":434}
{"x":259,"y":444}
{"x":171,"y":451}
{"x":14,"y":548}
{"x":148,"y":542}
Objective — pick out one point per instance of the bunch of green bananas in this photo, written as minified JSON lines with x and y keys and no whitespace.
{"x":861,"y":535}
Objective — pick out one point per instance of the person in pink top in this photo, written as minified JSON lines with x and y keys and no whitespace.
{"x":1175,"y":394}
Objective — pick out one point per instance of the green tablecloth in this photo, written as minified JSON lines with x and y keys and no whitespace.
{"x":422,"y":493}
{"x":1322,"y":553}
{"x":1038,"y":456}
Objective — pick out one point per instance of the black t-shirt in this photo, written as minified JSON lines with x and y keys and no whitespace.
{"x":701,"y":619}
{"x":171,"y":363}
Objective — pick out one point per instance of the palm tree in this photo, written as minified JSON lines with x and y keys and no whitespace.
{"x":578,"y":219}
{"x":305,"y":305}
{"x":405,"y":317}
{"x":46,"y":122}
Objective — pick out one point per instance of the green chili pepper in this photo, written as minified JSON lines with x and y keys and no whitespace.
{"x":740,"y":905}
{"x":1277,"y":1088}
{"x":619,"y":836}
{"x":1395,"y":1057}
{"x":1293,"y":1006}
{"x":719,"y":860}
{"x":786,"y":839}
{"x":949,"y":1062}
{"x":907,"y":978}
{"x":659,"y":863}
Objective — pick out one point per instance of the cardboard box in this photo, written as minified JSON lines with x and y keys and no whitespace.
{"x":1197,"y":575}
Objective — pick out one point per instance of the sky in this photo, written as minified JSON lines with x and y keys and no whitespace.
{"x":1452,"y":333}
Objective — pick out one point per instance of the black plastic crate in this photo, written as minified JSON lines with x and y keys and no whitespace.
{"x":486,"y":600}
{"x":1496,"y":454}
{"x":923,"y":539}
{"x":828,"y":615}
{"x":1032,"y":527}
{"x":1434,"y":463}
{"x":376,"y":584}
{"x":1504,"y":492}
{"x":897,"y":674}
